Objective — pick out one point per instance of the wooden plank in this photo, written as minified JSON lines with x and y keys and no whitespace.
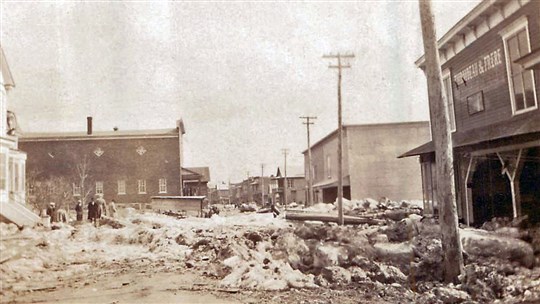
{"x":328,"y":218}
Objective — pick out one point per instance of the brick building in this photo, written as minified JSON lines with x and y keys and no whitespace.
{"x":370,"y":164}
{"x":490,"y":61}
{"x":127,"y":166}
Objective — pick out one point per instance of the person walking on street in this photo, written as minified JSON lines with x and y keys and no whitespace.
{"x":79,"y":210}
{"x":93,"y":212}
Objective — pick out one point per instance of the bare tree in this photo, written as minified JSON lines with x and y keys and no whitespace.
{"x":82,"y":173}
{"x":43,"y":190}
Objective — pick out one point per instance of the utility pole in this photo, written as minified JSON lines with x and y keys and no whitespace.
{"x":442,"y":138}
{"x":262,"y":185}
{"x":339,"y":67}
{"x":285,"y":185}
{"x":310,"y":180}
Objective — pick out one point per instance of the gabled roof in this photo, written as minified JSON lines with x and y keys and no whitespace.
{"x":6,"y":72}
{"x":478,"y":15}
{"x":204,"y":172}
{"x":360,"y":126}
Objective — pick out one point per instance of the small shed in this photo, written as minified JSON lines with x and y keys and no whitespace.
{"x":190,"y":205}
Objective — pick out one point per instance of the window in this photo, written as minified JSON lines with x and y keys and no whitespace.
{"x":162,"y":185}
{"x":76,"y":190}
{"x":289,"y":183}
{"x":12,"y":175}
{"x":23,"y":177}
{"x":121,"y":187}
{"x":141,"y":186}
{"x":99,"y":187}
{"x":447,"y":86}
{"x":475,"y":103}
{"x":520,"y":81}
{"x":328,"y":167}
{"x":3,"y":171}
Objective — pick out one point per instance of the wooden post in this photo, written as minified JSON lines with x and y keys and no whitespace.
{"x":340,"y":67}
{"x":309,"y":121}
{"x":285,"y":183}
{"x":512,"y":169}
{"x":440,"y":130}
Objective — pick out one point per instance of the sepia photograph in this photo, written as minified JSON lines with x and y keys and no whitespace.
{"x":310,"y":152}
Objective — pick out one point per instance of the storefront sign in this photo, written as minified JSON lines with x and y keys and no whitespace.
{"x":480,"y":66}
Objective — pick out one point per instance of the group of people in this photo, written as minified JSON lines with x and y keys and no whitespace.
{"x":96,"y":209}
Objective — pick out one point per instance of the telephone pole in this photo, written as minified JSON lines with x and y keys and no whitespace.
{"x":308,"y":122}
{"x":285,"y":185}
{"x":262,"y":185}
{"x":340,"y":67}
{"x":442,"y":138}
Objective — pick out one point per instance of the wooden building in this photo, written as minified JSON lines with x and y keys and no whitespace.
{"x":127,"y":166}
{"x":296,"y":188}
{"x":490,"y":61}
{"x":370,"y":165}
{"x":195,"y":181}
{"x":12,"y":159}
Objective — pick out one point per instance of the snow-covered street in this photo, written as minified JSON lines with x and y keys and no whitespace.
{"x":238,"y":257}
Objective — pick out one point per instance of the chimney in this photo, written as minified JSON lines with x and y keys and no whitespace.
{"x":89,"y":125}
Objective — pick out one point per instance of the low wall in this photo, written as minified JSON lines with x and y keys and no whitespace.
{"x":191,"y":205}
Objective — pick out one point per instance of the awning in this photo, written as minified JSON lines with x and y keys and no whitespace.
{"x":529,"y":124}
{"x":330,"y":183}
{"x":530,"y":61}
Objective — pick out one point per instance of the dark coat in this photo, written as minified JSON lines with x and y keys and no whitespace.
{"x":51,"y":211}
{"x":79,"y":210}
{"x":93,"y":210}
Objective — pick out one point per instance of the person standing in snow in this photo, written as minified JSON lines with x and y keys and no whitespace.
{"x":93,"y":212}
{"x":51,"y":212}
{"x":79,"y":210}
{"x":112,"y":209}
{"x":102,"y":206}
{"x":274,"y":209}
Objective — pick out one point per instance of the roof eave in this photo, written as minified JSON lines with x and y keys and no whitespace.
{"x":476,"y":12}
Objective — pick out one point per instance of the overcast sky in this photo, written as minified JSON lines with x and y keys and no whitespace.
{"x":238,"y":74}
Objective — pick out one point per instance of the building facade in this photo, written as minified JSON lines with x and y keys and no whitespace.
{"x":251,"y":190}
{"x":490,"y":62}
{"x":12,"y":159}
{"x":370,"y":165}
{"x":127,"y":166}
{"x":295,"y":186}
{"x":195,"y":181}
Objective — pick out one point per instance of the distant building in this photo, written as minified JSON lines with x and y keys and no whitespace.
{"x":219,"y":196}
{"x":195,"y":181}
{"x":12,"y":160}
{"x":370,"y":165}
{"x":127,"y":166}
{"x":251,"y":190}
{"x":490,"y":61}
{"x":296,"y":189}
